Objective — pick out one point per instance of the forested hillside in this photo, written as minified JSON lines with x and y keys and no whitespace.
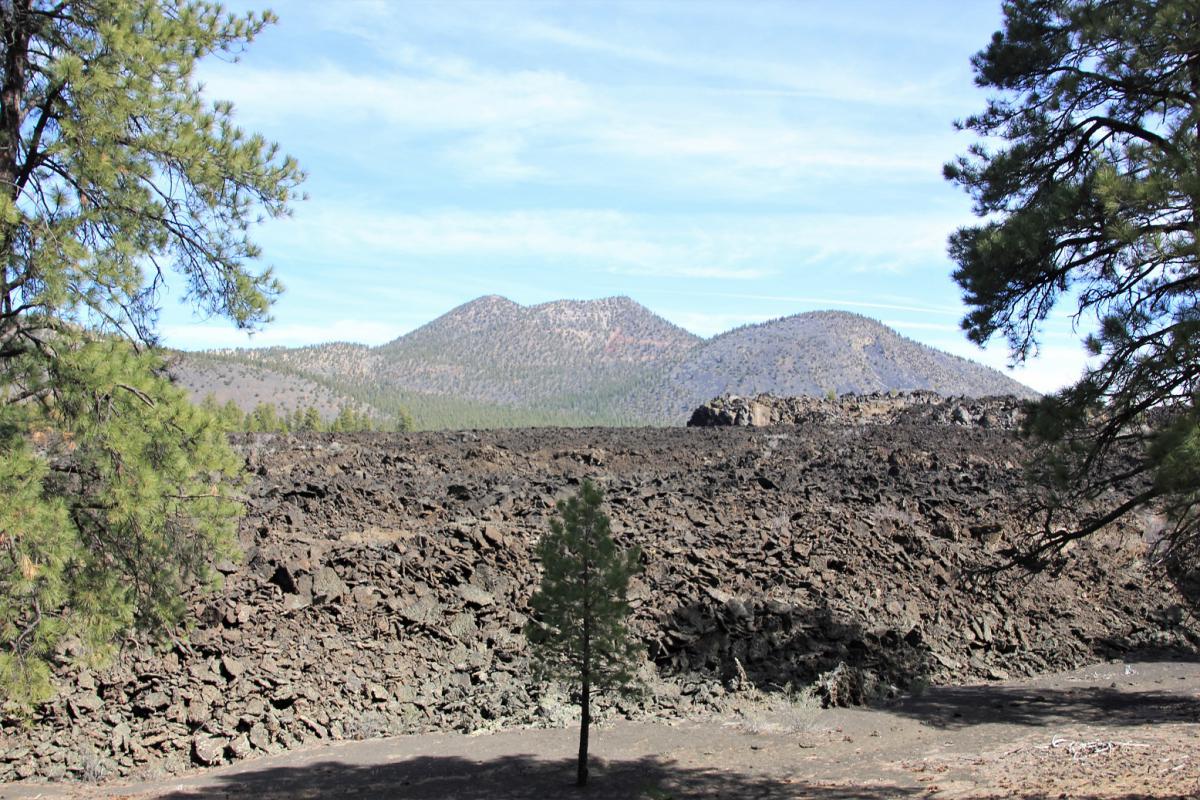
{"x":494,"y":363}
{"x":819,"y":353}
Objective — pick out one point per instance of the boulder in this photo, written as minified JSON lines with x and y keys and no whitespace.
{"x":208,"y":750}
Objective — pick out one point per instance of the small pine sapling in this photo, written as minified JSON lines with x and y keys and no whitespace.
{"x":578,"y":633}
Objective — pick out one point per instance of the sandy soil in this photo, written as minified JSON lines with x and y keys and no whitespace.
{"x":1114,"y":730}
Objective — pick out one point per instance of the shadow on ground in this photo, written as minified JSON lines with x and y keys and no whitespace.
{"x":953,"y":707}
{"x":524,"y":776}
{"x":516,"y":777}
{"x":775,"y":645}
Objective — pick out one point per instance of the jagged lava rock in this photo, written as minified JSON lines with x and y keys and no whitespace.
{"x":385,"y":583}
{"x":878,"y":408}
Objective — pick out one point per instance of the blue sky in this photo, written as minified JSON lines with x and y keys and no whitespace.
{"x":721,"y":163}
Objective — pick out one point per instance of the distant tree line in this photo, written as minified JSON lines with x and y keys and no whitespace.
{"x":516,"y":396}
{"x":269,"y":418}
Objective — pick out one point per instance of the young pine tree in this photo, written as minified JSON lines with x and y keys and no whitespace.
{"x":231,"y":417}
{"x":578,"y":633}
{"x":311,"y":420}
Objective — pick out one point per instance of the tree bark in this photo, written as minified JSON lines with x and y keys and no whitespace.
{"x":581,"y":777}
{"x":585,"y":680}
{"x":15,"y":29}
{"x":585,"y":662}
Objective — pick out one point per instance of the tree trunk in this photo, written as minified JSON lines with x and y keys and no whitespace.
{"x":17,"y":31}
{"x":586,"y":720}
{"x":585,"y":705}
{"x":15,"y":27}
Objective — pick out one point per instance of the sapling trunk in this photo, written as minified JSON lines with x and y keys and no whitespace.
{"x":584,"y":721}
{"x":585,"y":689}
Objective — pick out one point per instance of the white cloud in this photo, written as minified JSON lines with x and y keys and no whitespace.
{"x":710,"y":324}
{"x":1056,"y":365}
{"x":894,"y":304}
{"x":539,"y":30}
{"x":662,"y":270}
{"x":656,"y":37}
{"x":201,"y":336}
{"x":606,"y":240}
{"x":453,"y":98}
{"x":901,"y":325}
{"x":810,"y":74}
{"x":787,"y":152}
{"x":511,"y":124}
{"x":493,"y":157}
{"x":727,"y":247}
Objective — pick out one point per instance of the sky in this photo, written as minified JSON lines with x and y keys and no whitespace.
{"x":722,"y":163}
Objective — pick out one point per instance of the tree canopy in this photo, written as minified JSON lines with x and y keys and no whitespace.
{"x":1088,"y":179}
{"x":578,"y":633}
{"x":115,"y":172}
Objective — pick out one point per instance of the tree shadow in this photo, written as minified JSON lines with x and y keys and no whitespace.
{"x":775,"y":645}
{"x":951,"y":707}
{"x":516,"y":777}
{"x":526,"y":777}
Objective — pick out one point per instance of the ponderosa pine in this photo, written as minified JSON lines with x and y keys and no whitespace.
{"x":1088,"y":181}
{"x":115,"y":173}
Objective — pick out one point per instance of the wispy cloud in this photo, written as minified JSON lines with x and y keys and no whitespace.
{"x":831,"y":301}
{"x":207,"y":336}
{"x":824,"y":75}
{"x":711,"y":323}
{"x":737,"y":247}
{"x":493,"y":157}
{"x":1055,"y":367}
{"x":904,"y":324}
{"x":676,"y":270}
{"x":517,"y":124}
{"x":787,"y":151}
{"x":461,"y":98}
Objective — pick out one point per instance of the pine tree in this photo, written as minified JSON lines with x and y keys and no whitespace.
{"x":311,"y":420}
{"x":114,"y":173}
{"x":210,"y":406}
{"x":231,"y":417}
{"x":1089,"y":186}
{"x":266,"y":419}
{"x":350,"y":421}
{"x":579,"y":634}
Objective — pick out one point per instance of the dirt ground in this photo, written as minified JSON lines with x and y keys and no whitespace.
{"x":1113,"y":730}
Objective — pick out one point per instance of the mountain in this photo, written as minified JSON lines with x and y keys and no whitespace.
{"x":494,"y":363}
{"x":249,"y":382}
{"x":820,"y":352}
{"x":585,"y":356}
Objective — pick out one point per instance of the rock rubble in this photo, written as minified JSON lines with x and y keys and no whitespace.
{"x":385,"y":580}
{"x":879,"y":408}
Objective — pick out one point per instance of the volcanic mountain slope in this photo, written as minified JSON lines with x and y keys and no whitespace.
{"x":570,"y":355}
{"x":249,"y":383}
{"x":494,"y":363}
{"x":821,"y":352}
